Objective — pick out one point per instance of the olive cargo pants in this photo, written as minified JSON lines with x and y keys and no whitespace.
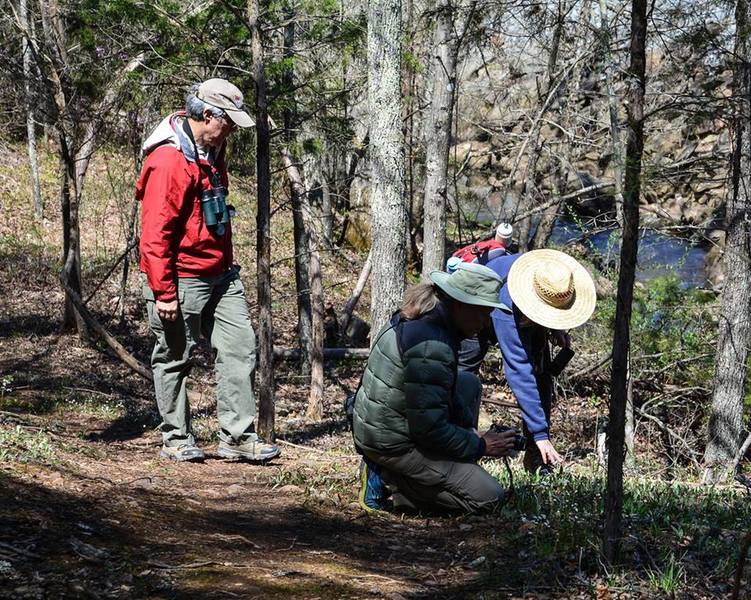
{"x":425,"y":479}
{"x":215,"y":307}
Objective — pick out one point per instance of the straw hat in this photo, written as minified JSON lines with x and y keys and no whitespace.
{"x":471,"y":283}
{"x":551,"y":288}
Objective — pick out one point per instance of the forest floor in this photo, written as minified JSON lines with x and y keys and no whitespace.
{"x":89,"y":510}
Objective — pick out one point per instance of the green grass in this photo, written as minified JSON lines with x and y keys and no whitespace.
{"x":668,"y":579}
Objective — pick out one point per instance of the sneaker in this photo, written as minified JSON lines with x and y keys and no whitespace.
{"x":182,"y":453}
{"x":254,"y":450}
{"x":373,"y":493}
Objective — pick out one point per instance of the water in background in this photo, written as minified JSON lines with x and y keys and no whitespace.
{"x":658,"y":255}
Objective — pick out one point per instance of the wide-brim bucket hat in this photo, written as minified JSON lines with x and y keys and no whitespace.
{"x":552,"y":289}
{"x":472,"y":284}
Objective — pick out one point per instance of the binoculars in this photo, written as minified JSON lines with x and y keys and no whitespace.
{"x":215,"y":211}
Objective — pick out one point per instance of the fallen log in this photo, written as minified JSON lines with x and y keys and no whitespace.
{"x":330,"y":353}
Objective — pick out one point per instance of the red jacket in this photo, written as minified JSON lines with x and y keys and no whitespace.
{"x":175,"y":241}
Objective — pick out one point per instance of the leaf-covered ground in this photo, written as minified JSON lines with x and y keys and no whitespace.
{"x":88,"y":510}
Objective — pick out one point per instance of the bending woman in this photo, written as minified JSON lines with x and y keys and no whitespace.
{"x":415,"y":415}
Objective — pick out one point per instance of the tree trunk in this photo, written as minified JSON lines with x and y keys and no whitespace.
{"x":726,"y":420}
{"x":389,"y":217}
{"x":265,"y":387}
{"x":615,"y":136}
{"x":437,"y":137}
{"x":530,"y":185}
{"x":23,"y":15}
{"x":627,"y":271}
{"x":315,"y":398}
{"x":297,"y":196}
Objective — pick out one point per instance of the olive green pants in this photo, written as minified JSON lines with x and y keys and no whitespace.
{"x":216,"y":308}
{"x":423,"y":479}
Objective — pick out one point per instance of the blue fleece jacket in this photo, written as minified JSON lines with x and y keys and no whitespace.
{"x":521,"y":347}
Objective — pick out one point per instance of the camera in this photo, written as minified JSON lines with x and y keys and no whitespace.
{"x":215,"y":210}
{"x":520,"y":441}
{"x":560,"y":361}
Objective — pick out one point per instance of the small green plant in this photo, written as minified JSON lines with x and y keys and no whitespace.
{"x":20,"y":445}
{"x":667,"y":580}
{"x":6,"y":386}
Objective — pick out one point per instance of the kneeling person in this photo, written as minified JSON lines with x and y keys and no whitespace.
{"x":415,"y":415}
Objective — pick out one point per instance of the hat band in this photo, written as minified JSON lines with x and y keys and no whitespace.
{"x":562,"y":299}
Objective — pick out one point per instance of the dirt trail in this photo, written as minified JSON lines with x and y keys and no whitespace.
{"x":106,"y":518}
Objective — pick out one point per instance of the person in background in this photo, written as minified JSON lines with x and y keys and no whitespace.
{"x":473,"y":350}
{"x":190,"y":282}
{"x":415,"y":415}
{"x":546,"y":293}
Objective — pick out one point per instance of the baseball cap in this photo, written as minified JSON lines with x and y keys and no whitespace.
{"x":220,"y":93}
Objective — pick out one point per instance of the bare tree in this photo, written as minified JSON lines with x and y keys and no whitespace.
{"x":265,"y":354}
{"x":298,"y":196}
{"x":386,"y":153}
{"x":726,"y":420}
{"x":437,"y":132}
{"x":28,"y":75}
{"x":626,"y":275}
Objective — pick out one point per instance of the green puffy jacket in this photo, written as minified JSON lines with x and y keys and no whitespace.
{"x":406,"y":396}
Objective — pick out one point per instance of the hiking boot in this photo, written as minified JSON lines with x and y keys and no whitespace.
{"x":373,"y":492}
{"x":182,"y":453}
{"x":253,"y":450}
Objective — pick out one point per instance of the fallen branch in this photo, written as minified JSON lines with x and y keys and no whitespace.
{"x":741,"y":452}
{"x":588,"y":370}
{"x":499,"y":403}
{"x":235,"y":537}
{"x":311,"y":449}
{"x":333,"y":353}
{"x":666,"y":429}
{"x":130,"y":247}
{"x":349,"y":307}
{"x":116,"y":346}
{"x":741,"y":565}
{"x":18,"y":551}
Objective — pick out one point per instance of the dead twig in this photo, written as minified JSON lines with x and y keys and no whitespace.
{"x":589,"y":369}
{"x":235,"y":537}
{"x":499,"y":403}
{"x":18,"y":551}
{"x":116,"y":346}
{"x":311,"y":449}
{"x":292,"y":545}
{"x":745,"y":543}
{"x":689,"y":452}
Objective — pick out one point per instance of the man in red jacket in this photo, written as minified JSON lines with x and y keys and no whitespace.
{"x":191,"y":284}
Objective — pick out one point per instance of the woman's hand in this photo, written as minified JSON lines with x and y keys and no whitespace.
{"x":499,"y":443}
{"x":549,"y":455}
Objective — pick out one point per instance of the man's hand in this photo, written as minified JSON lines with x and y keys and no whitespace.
{"x":167,"y":311}
{"x":549,"y":455}
{"x":499,"y":444}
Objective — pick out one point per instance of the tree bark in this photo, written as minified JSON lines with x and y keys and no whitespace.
{"x":265,"y":387}
{"x":314,"y":410}
{"x":30,"y":119}
{"x":386,"y":151}
{"x":437,"y":136}
{"x":626,"y":274}
{"x":726,"y":420}
{"x":615,"y":135}
{"x":302,"y":245}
